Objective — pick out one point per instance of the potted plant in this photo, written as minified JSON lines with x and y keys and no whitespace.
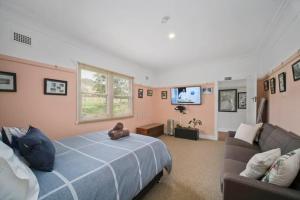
{"x":195,"y":122}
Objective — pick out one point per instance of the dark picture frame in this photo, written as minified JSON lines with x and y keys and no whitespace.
{"x":140,"y":93}
{"x":273,"y":85}
{"x":55,"y":87}
{"x":8,"y":81}
{"x":266,"y":85}
{"x":164,"y":94}
{"x":227,"y":101}
{"x":296,"y":70}
{"x":242,"y":100}
{"x":282,"y":82}
{"x":149,"y":93}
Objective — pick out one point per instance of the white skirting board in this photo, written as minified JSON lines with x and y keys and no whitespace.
{"x":208,"y":137}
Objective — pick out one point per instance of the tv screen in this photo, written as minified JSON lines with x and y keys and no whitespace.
{"x":186,"y":95}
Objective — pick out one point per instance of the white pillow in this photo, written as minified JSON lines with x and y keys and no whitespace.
{"x":247,"y":132}
{"x":258,"y":165}
{"x":16,"y":179}
{"x":284,"y":170}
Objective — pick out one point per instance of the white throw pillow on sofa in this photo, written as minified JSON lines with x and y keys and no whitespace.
{"x":247,"y":132}
{"x":284,"y":170}
{"x":16,"y":179}
{"x":258,"y":165}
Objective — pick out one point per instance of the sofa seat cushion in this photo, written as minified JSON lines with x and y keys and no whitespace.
{"x":239,"y":153}
{"x":233,"y":166}
{"x":241,"y":143}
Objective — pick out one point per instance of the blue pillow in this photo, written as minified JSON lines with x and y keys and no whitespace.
{"x":37,"y":149}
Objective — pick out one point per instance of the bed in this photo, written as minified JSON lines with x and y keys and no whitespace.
{"x":91,"y":166}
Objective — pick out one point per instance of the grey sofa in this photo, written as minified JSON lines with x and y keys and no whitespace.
{"x":237,"y":154}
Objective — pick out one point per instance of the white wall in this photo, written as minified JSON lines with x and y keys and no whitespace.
{"x":283,"y":39}
{"x":52,"y":48}
{"x":230,"y":121}
{"x":197,"y":73}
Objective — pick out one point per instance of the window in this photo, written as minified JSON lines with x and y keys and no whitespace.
{"x":103,"y":94}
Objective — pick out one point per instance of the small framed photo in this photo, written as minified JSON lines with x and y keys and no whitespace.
{"x":266,"y":85}
{"x":207,"y":90}
{"x":55,"y":87}
{"x":140,"y":93}
{"x":282,"y":82}
{"x":149,"y":93}
{"x":242,"y":100}
{"x":228,"y":100}
{"x":296,"y":70}
{"x":164,"y":94}
{"x":273,"y":85}
{"x":8,"y":82}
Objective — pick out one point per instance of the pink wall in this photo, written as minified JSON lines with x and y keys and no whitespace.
{"x":56,"y":115}
{"x":284,"y":108}
{"x":204,"y":112}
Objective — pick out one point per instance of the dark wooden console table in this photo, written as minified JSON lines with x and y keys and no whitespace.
{"x":153,"y":130}
{"x":187,"y":133}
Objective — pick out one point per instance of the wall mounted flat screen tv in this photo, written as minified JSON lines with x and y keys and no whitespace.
{"x":186,"y":95}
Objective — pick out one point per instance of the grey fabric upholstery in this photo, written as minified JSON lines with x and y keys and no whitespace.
{"x":231,"y":133}
{"x":238,"y":153}
{"x":241,"y":143}
{"x":266,"y":131}
{"x":242,"y":154}
{"x":241,"y":188}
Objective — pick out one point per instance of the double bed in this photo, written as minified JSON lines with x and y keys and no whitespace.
{"x":91,"y":166}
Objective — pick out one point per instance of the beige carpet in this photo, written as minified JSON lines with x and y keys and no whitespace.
{"x":195,"y":174}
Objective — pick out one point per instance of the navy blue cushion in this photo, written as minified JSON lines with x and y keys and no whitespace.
{"x":37,"y":149}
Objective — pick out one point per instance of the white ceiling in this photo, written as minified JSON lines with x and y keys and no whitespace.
{"x":206,"y":30}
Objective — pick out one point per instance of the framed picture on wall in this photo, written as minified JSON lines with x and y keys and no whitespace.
{"x":149,"y":93}
{"x":296,"y":70}
{"x":164,"y":94}
{"x":242,"y":100}
{"x":266,"y":85}
{"x":140,"y":93}
{"x":207,"y":90}
{"x":228,"y":100}
{"x":273,"y":85}
{"x":8,"y":82}
{"x":55,"y":87}
{"x":282,"y":82}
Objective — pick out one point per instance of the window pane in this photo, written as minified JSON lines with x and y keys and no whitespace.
{"x":93,"y":82}
{"x":121,"y":106}
{"x":121,"y":86}
{"x":93,"y":106}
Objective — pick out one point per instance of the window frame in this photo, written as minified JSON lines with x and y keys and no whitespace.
{"x":109,"y":91}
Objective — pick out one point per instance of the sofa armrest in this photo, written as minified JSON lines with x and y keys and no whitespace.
{"x":231,"y":133}
{"x":238,"y":187}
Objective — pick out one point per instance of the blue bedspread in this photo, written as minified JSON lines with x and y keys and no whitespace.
{"x":92,"y":166}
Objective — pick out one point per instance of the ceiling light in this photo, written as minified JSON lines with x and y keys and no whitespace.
{"x":171,"y":36}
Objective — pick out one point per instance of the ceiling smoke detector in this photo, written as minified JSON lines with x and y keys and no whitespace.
{"x":165,"y":19}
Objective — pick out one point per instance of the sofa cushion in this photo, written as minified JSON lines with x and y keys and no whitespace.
{"x":241,"y":143}
{"x":282,"y":139}
{"x":233,"y":166}
{"x":284,"y":170}
{"x":239,"y":153}
{"x":266,"y":131}
{"x":294,"y":142}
